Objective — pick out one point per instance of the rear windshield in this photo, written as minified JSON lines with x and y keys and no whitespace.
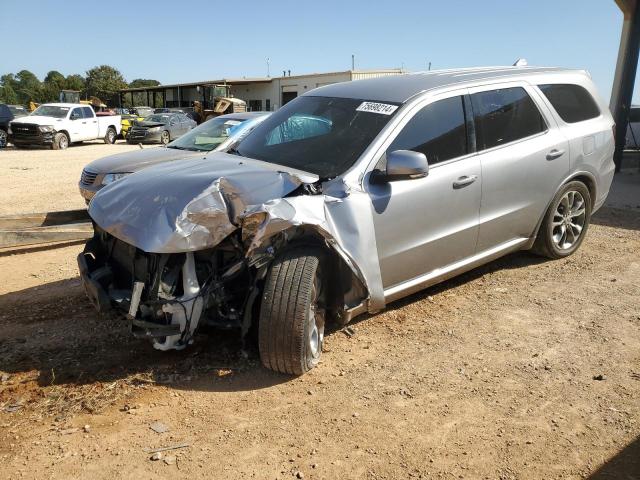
{"x":572,"y":102}
{"x":321,"y":135}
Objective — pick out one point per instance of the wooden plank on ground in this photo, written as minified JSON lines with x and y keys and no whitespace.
{"x":45,"y":219}
{"x":17,"y":238}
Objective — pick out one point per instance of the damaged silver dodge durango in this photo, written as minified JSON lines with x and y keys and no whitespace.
{"x":347,"y":198}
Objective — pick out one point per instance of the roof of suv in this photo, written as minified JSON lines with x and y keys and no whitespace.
{"x":400,"y":88}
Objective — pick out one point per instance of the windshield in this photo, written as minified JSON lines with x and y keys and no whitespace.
{"x":157,"y":118}
{"x":51,"y":111}
{"x":321,"y":135}
{"x":212,"y":133}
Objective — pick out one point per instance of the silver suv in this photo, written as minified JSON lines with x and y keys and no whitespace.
{"x":347,"y":198}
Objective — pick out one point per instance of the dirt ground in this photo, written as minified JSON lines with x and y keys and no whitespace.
{"x":44,"y":180}
{"x":522,"y":369}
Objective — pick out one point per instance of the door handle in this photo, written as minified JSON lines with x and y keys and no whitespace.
{"x":464,"y":181}
{"x":84,"y":123}
{"x":555,"y":153}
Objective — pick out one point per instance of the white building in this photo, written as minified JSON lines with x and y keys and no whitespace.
{"x":266,"y":93}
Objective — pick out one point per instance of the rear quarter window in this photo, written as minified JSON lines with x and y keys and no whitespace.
{"x":572,"y":102}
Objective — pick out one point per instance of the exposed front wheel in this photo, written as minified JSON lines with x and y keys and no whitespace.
{"x":3,"y":138}
{"x":566,"y":222}
{"x":164,"y":138}
{"x":292,"y":317}
{"x":60,"y":142}
{"x":110,"y":136}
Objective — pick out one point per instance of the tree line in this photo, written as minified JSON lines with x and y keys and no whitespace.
{"x":102,"y":81}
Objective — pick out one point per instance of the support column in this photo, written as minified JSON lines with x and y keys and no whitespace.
{"x":625,"y":76}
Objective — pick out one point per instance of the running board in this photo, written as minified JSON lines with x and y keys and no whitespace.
{"x":440,"y":274}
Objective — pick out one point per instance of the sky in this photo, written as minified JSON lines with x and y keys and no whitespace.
{"x":193,"y":40}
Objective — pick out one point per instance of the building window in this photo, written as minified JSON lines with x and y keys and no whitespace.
{"x":255,"y":105}
{"x":267,"y":106}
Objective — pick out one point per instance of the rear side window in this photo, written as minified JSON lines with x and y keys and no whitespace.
{"x":438,"y":130}
{"x":505,"y":115}
{"x":88,"y":112}
{"x":572,"y":102}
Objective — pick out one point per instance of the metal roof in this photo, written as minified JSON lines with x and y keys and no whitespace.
{"x":400,"y":88}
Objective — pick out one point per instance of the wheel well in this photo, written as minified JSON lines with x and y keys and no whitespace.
{"x":345,"y":287}
{"x":591,"y":185}
{"x":66,"y":134}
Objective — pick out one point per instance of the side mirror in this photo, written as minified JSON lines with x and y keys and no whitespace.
{"x":402,"y":165}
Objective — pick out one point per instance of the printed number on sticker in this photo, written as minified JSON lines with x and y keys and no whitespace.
{"x":373,"y":107}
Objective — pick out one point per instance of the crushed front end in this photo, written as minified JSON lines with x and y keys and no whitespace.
{"x":167,"y":296}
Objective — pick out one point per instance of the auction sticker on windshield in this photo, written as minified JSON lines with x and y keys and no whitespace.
{"x":373,"y":107}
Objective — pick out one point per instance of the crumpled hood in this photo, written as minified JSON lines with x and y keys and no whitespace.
{"x":38,"y":120}
{"x":192,"y":204}
{"x":139,"y":159}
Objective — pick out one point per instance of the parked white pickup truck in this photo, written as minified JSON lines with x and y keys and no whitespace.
{"x":59,"y":124}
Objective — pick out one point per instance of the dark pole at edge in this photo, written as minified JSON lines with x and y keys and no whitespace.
{"x":622,"y":92}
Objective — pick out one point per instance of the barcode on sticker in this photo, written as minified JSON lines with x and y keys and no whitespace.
{"x":373,"y":107}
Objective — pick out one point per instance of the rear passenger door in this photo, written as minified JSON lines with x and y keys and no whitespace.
{"x":92,"y":129}
{"x":524,"y":158}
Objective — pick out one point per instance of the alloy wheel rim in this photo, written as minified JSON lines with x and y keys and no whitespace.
{"x":3,"y":138}
{"x":63,"y":142}
{"x":316,"y":324}
{"x":568,"y":220}
{"x":111,"y":136}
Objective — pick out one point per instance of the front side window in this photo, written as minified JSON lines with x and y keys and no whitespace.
{"x":438,"y":130}
{"x":321,"y":135}
{"x":76,"y":114}
{"x":572,"y":102}
{"x":505,"y":115}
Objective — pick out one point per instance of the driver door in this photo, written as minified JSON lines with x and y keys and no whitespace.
{"x":425,"y":224}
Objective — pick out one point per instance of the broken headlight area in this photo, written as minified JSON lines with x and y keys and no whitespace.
{"x":168,"y":296}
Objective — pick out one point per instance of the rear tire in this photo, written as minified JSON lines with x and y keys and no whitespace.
{"x":110,"y":136}
{"x":60,"y":142}
{"x":291,"y":327}
{"x":566,"y":222}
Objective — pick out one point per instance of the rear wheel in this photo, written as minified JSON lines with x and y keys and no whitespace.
{"x":291,"y":327}
{"x":566,"y":222}
{"x":165,"y":138}
{"x":110,"y":136}
{"x":60,"y":142}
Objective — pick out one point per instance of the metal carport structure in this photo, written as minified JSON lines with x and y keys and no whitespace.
{"x":622,"y":91}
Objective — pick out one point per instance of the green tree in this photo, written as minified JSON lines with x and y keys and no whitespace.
{"x":8,"y":95}
{"x":75,"y":82}
{"x":29,"y":87}
{"x":54,"y":81}
{"x":143,"y":82}
{"x":104,"y":82}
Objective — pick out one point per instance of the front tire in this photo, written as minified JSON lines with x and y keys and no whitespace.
{"x":110,"y":136}
{"x":3,"y":138}
{"x":60,"y":142}
{"x":165,"y":137}
{"x":291,"y":328}
{"x":566,"y":222}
